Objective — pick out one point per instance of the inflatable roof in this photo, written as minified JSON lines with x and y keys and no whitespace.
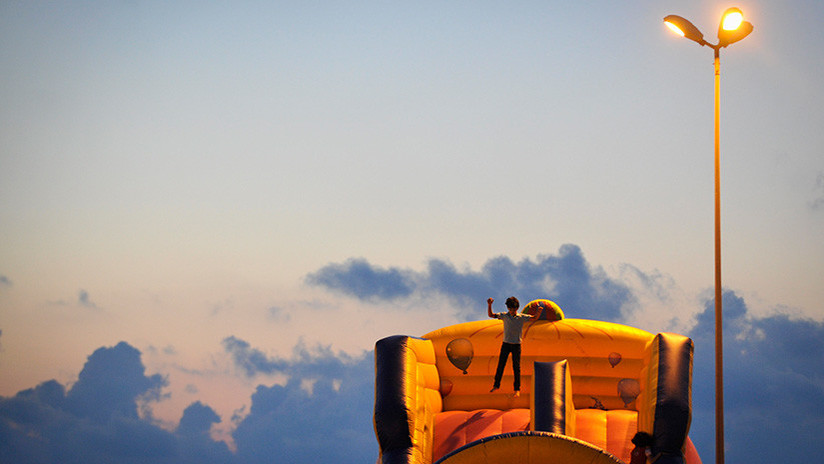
{"x":587,"y":388}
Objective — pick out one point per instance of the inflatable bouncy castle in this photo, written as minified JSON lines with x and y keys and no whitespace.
{"x":587,"y":388}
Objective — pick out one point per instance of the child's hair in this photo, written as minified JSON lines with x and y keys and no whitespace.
{"x":512,"y":302}
{"x":642,"y":439}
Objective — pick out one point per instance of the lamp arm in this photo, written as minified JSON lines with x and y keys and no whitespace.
{"x":715,"y":47}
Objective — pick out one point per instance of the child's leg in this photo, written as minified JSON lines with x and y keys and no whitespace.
{"x":516,"y":365}
{"x":501,"y":363}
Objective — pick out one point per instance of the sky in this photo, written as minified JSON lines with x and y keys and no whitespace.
{"x":210,"y":211}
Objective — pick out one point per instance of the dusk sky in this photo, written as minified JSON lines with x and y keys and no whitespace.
{"x":219,"y":207}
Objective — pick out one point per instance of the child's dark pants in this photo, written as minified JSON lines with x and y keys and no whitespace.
{"x":515,"y":349}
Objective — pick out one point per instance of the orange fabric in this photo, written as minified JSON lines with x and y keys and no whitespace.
{"x":600,"y":355}
{"x":690,"y":453}
{"x":611,"y":430}
{"x":592,"y":426}
{"x":454,"y":429}
{"x":621,"y":427}
{"x":531,"y":448}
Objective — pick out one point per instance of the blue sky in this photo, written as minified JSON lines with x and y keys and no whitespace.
{"x":236,"y":200}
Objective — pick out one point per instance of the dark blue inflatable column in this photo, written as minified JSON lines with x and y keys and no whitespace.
{"x":549,"y":393}
{"x":673,"y":402}
{"x":392,"y":414}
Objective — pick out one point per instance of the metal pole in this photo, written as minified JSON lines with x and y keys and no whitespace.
{"x":719,"y":350}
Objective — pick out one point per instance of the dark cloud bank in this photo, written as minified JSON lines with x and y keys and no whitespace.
{"x":567,"y":277}
{"x":774,"y":384}
{"x":327,"y":419}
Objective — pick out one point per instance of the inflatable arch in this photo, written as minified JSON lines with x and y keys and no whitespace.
{"x":587,"y":388}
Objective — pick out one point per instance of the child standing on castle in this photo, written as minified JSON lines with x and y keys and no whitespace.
{"x":513,"y":324}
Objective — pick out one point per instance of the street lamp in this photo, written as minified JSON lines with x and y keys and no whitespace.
{"x":731,"y":29}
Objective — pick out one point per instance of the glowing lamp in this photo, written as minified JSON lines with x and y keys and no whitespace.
{"x":733,"y":27}
{"x":684,"y":28}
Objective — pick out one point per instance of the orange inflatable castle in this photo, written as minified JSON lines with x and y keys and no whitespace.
{"x":587,"y":388}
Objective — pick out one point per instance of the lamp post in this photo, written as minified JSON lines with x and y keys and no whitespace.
{"x":731,"y":29}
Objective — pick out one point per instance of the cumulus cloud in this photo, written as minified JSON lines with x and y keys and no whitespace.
{"x":97,"y":421}
{"x":321,"y":414}
{"x":330,"y":421}
{"x":773,"y":384}
{"x":566,"y":278}
{"x":250,"y":360}
{"x":111,"y":382}
{"x":359,"y":278}
{"x":194,"y":443}
{"x":94,"y":421}
{"x":197,"y":419}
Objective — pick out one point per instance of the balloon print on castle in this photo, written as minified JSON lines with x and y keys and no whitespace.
{"x":431,"y":407}
{"x":628,"y":390}
{"x":460,"y":353}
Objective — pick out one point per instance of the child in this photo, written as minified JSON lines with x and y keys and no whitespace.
{"x":513,"y":323}
{"x":642,"y":442}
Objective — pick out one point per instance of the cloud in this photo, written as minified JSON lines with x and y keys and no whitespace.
{"x":773,"y":384}
{"x":194,"y":444}
{"x":567,"y":278}
{"x":250,"y":360}
{"x":111,"y":382}
{"x":359,"y":278}
{"x":97,"y":421}
{"x":331,"y":421}
{"x":197,"y":420}
{"x":84,"y":300}
{"x":94,"y":421}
